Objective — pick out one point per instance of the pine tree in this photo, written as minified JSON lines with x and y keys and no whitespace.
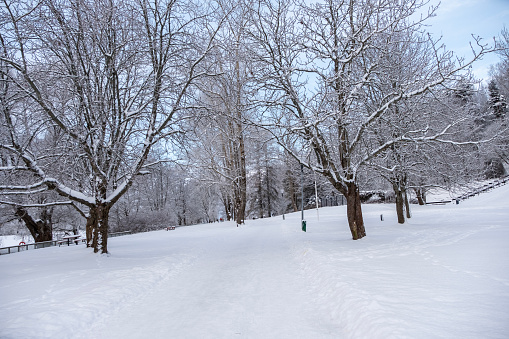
{"x":496,"y":101}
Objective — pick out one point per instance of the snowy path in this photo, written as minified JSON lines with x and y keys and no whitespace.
{"x":241,"y":286}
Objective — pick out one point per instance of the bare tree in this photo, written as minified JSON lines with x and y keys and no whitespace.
{"x":226,"y":102}
{"x":323,"y":64}
{"x":114,"y":77}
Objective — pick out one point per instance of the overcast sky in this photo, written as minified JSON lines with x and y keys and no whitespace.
{"x":457,"y":20}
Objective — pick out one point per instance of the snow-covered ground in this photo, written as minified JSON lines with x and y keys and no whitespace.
{"x":14,"y":240}
{"x":444,"y":274}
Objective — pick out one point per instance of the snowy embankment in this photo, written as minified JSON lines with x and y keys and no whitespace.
{"x":445,"y":274}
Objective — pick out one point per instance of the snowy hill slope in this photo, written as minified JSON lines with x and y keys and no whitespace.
{"x":444,"y":274}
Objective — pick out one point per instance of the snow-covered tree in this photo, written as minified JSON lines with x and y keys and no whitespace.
{"x":323,"y":62}
{"x":497,"y":101}
{"x":226,"y":106}
{"x":265,"y":184}
{"x":500,"y":71}
{"x":498,"y":93}
{"x":113,"y":77}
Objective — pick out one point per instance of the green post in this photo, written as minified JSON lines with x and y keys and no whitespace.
{"x":304,"y":225}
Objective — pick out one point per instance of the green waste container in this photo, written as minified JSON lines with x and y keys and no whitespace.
{"x":304,"y":225}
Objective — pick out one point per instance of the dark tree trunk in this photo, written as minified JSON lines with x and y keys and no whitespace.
{"x":240,"y":190}
{"x":41,"y":230}
{"x":227,"y":203}
{"x":240,"y":182}
{"x":97,"y":228}
{"x":240,"y":213}
{"x":260,"y":195}
{"x":267,"y":182}
{"x":354,"y":212}
{"x":400,"y":210}
{"x":91,"y":224}
{"x":291,"y":190}
{"x":421,"y":199}
{"x":240,"y":208}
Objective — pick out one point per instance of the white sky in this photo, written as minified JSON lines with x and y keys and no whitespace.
{"x":457,"y":20}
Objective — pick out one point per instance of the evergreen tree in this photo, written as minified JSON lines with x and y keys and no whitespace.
{"x":496,"y":101}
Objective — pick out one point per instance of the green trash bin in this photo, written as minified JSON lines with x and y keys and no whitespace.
{"x":304,"y":225}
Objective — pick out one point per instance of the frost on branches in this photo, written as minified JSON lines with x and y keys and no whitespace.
{"x":87,"y":89}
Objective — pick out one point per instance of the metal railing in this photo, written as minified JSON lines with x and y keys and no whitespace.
{"x":118,"y":234}
{"x":476,"y":191}
{"x":26,"y":247}
{"x":44,"y":244}
{"x":484,"y":188}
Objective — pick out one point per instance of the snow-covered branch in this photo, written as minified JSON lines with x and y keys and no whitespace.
{"x":50,"y":204}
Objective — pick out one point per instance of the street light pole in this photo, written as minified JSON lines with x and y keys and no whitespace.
{"x":316,"y":199}
{"x":303,"y":222}
{"x":301,"y":192}
{"x":283,"y":197}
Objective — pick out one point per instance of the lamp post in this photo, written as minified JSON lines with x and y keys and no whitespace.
{"x":283,"y":197}
{"x":316,"y":199}
{"x":303,"y":222}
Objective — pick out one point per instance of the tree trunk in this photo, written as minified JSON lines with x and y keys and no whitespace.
{"x":267,"y":181}
{"x":421,"y":199}
{"x":41,"y":230}
{"x":89,"y":227}
{"x":291,"y":190}
{"x":240,"y":208}
{"x":294,"y":202}
{"x":241,"y":212}
{"x":260,"y":195}
{"x":240,"y":187}
{"x":97,"y":228}
{"x":399,"y":202}
{"x":407,"y":205}
{"x":227,"y":203}
{"x":354,"y":212}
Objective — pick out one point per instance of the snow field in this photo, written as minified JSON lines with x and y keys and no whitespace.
{"x":444,"y":274}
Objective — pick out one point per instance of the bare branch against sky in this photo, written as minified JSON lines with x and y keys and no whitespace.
{"x":457,"y":20}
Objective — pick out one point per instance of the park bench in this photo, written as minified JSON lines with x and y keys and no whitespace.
{"x":76,"y":238}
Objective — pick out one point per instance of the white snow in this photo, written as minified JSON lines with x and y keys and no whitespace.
{"x":444,"y":274}
{"x":14,"y":240}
